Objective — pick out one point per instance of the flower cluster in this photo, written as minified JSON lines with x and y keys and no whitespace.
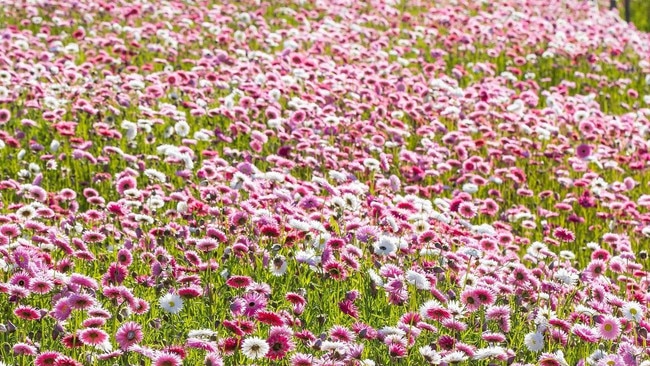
{"x":341,"y":183}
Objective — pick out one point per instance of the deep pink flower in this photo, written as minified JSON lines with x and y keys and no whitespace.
{"x":27,"y":312}
{"x":47,"y":359}
{"x":349,"y":308}
{"x":279,"y":346}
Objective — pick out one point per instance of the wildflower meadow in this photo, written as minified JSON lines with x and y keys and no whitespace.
{"x":323,"y":182}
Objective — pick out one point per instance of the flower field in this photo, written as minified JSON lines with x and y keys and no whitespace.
{"x":323,"y":182}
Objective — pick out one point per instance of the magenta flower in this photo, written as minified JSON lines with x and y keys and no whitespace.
{"x":583,"y":151}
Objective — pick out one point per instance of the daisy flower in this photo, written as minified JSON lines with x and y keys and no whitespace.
{"x":632,"y":311}
{"x":534,"y":341}
{"x":254,"y":348}
{"x":171,"y":303}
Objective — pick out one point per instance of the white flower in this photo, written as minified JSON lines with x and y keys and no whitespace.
{"x":54,"y":146}
{"x":181,"y":207}
{"x":596,"y":356}
{"x":485,"y":229}
{"x":299,"y":225}
{"x":351,"y":202}
{"x":136,"y":84}
{"x":470,"y":188}
{"x":4,"y":267}
{"x":171,"y":303}
{"x":489,"y":352}
{"x":26,"y":212}
{"x":371,"y":164}
{"x":585,"y":309}
{"x":565,"y":277}
{"x":182,"y":128}
{"x":456,"y":356}
{"x":421,"y":226}
{"x":201,"y":333}
{"x":417,"y":279}
{"x":156,"y":175}
{"x":429,"y":354}
{"x":385,"y":245}
{"x":567,"y":254}
{"x":319,"y":241}
{"x":375,"y":277}
{"x":34,"y":168}
{"x":632,"y":311}
{"x":646,"y":231}
{"x":155,"y":202}
{"x":278,"y":266}
{"x":254,"y":348}
{"x":456,"y":308}
{"x":388,"y":330}
{"x":131,"y":129}
{"x":535,"y":249}
{"x":580,"y":115}
{"x":534,"y":341}
{"x":337,"y":176}
{"x":275,"y":94}
{"x":273,"y":177}
{"x":496,"y":180}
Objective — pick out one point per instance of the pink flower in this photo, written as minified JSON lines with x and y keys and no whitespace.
{"x":585,"y":333}
{"x":93,"y":336}
{"x":397,"y":350}
{"x":485,"y":296}
{"x":563,"y":234}
{"x":81,"y":301}
{"x":253,"y":302}
{"x":467,"y":210}
{"x":5,"y":116}
{"x":24,"y":349}
{"x":470,"y":299}
{"x":609,"y":328}
{"x":167,"y":359}
{"x":128,"y":334}
{"x":347,"y":307}
{"x":126,"y":183}
{"x":27,"y":312}
{"x":47,"y":359}
{"x":596,"y":268}
{"x":239,"y":281}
